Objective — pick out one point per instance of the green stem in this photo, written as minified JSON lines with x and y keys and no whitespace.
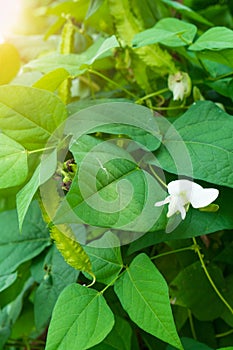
{"x":212,"y":79}
{"x":225,"y":334}
{"x":111,"y":283}
{"x":93,"y":280}
{"x":192,"y":247}
{"x":197,"y":250}
{"x":169,"y":108}
{"x":140,"y":100}
{"x":183,"y":39}
{"x":157,"y":176}
{"x":27,"y":345}
{"x":192,"y":325}
{"x":110,"y":81}
{"x":41,"y":150}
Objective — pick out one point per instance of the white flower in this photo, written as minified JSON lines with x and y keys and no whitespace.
{"x":180,"y":84}
{"x":182,"y":193}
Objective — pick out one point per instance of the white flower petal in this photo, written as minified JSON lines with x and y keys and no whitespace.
{"x":202,"y":198}
{"x":165,"y":201}
{"x":184,"y":192}
{"x":183,"y":188}
{"x":178,"y":91}
{"x":173,"y":206}
{"x":176,"y":206}
{"x":182,"y":212}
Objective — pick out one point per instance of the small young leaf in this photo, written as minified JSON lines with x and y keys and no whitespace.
{"x":217,"y":38}
{"x":168,"y":31}
{"x":74,"y":64}
{"x":71,"y":250}
{"x":52,"y":80}
{"x":81,"y":319}
{"x":143,"y":284}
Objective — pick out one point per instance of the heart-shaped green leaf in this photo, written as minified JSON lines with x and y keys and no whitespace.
{"x":81,"y":319}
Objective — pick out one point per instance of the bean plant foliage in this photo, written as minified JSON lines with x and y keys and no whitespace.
{"x":103,"y":104}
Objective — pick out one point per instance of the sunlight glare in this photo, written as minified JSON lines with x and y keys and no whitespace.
{"x":9,"y":13}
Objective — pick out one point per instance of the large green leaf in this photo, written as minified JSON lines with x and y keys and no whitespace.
{"x":168,"y":31}
{"x":57,"y":274}
{"x":191,"y":289}
{"x":81,"y":319}
{"x":206,"y":132}
{"x":74,"y":64}
{"x":13,"y":162}
{"x":110,"y":190}
{"x":143,"y":286}
{"x":29,"y":115}
{"x":106,"y":258}
{"x":113,"y":116}
{"x":217,"y":38}
{"x":16,"y":247}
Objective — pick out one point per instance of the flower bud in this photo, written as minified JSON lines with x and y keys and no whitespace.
{"x":180,"y":84}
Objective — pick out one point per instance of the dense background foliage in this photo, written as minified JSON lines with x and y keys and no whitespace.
{"x":87,"y":97}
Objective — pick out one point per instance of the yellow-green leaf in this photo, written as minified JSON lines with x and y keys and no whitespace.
{"x":52,"y":80}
